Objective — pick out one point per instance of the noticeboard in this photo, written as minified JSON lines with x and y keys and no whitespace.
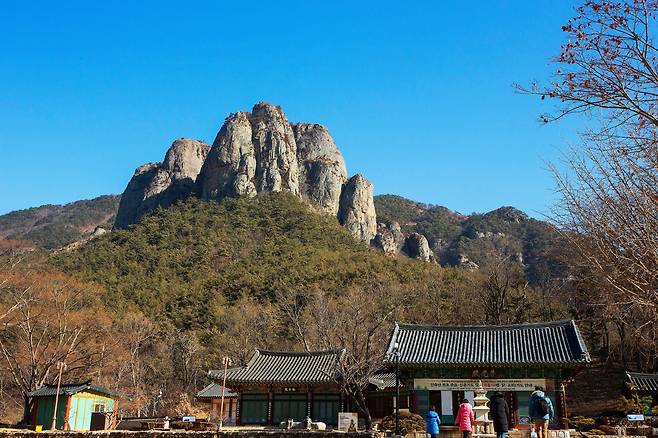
{"x":347,"y":421}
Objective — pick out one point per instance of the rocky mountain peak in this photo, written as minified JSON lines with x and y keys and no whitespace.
{"x":509,"y":214}
{"x":162,"y":184}
{"x":253,"y":153}
{"x":185,"y":158}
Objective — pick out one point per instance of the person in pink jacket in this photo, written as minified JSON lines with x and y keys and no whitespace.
{"x":465,"y":418}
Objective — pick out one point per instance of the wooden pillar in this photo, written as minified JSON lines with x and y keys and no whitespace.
{"x":515,"y":408}
{"x":238,"y":410}
{"x":270,"y":396}
{"x":309,"y":403}
{"x":115,"y":416}
{"x":67,"y":411}
{"x":35,"y":406}
{"x":562,"y":405}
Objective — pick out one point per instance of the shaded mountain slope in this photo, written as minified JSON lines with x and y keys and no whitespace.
{"x":54,"y":226}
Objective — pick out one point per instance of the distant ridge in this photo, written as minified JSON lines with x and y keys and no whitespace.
{"x":54,"y":226}
{"x":467,"y":241}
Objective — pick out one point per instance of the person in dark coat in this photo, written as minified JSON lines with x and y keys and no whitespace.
{"x":499,"y":412}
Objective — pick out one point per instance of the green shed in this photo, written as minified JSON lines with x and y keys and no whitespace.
{"x":80,"y":406}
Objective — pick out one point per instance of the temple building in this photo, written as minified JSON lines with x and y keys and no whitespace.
{"x":212,"y":396}
{"x":440,"y":365}
{"x":275,"y":386}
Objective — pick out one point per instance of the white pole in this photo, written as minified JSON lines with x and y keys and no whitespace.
{"x":226,"y":362}
{"x":60,"y":365}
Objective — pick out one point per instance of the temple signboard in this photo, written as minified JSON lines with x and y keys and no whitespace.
{"x":472,"y":384}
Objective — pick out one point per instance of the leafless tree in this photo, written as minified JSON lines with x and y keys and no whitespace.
{"x":505,"y":293}
{"x":185,"y":350}
{"x":608,"y":187}
{"x":244,"y":325}
{"x":49,"y":318}
{"x":356,"y":322}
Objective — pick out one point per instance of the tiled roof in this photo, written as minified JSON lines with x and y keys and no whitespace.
{"x":556,"y":343}
{"x":383,"y":380}
{"x":642,"y":382}
{"x":280,"y":368}
{"x":69,"y":389}
{"x":214,"y":390}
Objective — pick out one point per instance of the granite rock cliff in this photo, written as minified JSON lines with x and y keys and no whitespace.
{"x":357,"y":208}
{"x":254,"y":152}
{"x":161,"y":184}
{"x":417,"y":247}
{"x":389,"y":238}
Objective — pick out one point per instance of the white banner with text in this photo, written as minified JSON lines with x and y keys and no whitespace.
{"x":472,"y":384}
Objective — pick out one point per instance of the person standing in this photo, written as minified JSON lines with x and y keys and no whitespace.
{"x":433,"y":422}
{"x":499,"y":411}
{"x":541,"y":411}
{"x":465,"y":418}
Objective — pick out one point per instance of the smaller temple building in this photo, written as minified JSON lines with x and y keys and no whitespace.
{"x":212,"y":395}
{"x":80,"y":406}
{"x":643,"y":387}
{"x":276,"y":386}
{"x":441,"y":365}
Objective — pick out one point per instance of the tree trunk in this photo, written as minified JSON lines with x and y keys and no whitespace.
{"x":27,"y":410}
{"x":366,"y":415}
{"x":362,"y":405}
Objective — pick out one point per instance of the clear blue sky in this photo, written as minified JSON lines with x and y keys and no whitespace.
{"x":417,"y":95}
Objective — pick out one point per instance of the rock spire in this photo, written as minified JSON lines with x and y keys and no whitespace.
{"x":254,"y":152}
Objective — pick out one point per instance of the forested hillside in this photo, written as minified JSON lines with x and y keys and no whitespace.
{"x":456,"y":239}
{"x":54,"y":226}
{"x":184,"y":262}
{"x":478,"y":240}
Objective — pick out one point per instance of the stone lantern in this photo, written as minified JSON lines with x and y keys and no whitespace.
{"x":483,"y":425}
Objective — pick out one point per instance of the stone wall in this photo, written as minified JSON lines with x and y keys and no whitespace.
{"x":281,"y":433}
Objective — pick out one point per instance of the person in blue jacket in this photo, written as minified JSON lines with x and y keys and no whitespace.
{"x":433,"y":422}
{"x":541,"y":411}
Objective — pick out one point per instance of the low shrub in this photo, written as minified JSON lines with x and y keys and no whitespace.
{"x":409,"y":422}
{"x":597,"y":432}
{"x":581,"y":423}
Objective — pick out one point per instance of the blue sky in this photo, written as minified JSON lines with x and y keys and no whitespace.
{"x":418,"y":95}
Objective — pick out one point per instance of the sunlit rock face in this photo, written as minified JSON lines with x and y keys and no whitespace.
{"x":255,"y":152}
{"x":322,"y":171}
{"x":161,"y":184}
{"x":417,"y":247}
{"x":357,"y":208}
{"x":230,"y":169}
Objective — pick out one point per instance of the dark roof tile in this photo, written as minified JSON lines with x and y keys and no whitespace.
{"x":69,"y":389}
{"x":557,"y":343}
{"x":214,"y":390}
{"x":275,"y":367}
{"x":642,"y":382}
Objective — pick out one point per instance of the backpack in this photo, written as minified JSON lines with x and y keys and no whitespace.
{"x":542,"y":407}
